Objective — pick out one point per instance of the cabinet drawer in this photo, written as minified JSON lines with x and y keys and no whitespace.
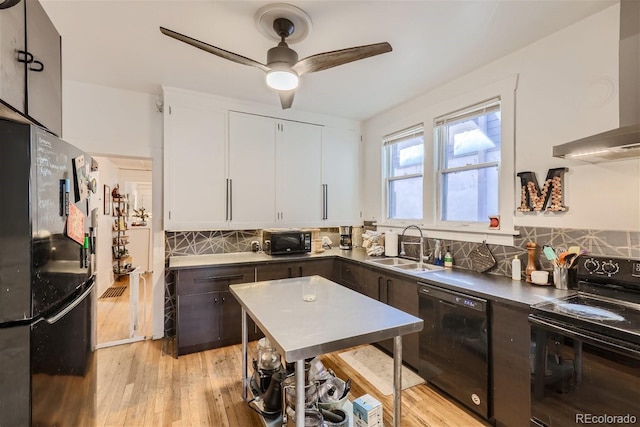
{"x":201,"y":280}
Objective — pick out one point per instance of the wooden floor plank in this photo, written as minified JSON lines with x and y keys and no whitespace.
{"x":140,"y":385}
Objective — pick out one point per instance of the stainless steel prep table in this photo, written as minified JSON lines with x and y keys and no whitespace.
{"x":339,"y":318}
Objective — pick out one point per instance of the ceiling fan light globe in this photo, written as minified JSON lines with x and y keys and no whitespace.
{"x":282,"y":80}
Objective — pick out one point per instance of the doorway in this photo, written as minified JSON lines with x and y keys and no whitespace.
{"x":124,"y":251}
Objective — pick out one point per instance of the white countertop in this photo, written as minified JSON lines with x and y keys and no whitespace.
{"x":338,"y":318}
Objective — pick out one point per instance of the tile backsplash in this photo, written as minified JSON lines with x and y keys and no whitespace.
{"x":622,"y":244}
{"x":184,"y":243}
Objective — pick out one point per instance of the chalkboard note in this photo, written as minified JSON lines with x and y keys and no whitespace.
{"x":51,"y":165}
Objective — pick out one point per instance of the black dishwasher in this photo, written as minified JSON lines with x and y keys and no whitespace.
{"x":454,"y":346}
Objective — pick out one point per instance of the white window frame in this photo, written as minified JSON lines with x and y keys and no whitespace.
{"x":480,"y":108}
{"x":456,"y":99}
{"x":505,"y":89}
{"x":388,"y":141}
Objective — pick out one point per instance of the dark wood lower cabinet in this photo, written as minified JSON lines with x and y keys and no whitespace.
{"x":208,"y":316}
{"x":510,"y":347}
{"x":355,"y":277}
{"x":402,"y":294}
{"x":286,"y":270}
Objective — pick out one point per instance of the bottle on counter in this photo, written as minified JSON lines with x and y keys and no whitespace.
{"x":448,"y":259}
{"x":437,"y":254}
{"x":516,"y":268}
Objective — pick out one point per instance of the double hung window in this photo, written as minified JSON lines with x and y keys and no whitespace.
{"x":403,"y":159}
{"x":469,"y":153}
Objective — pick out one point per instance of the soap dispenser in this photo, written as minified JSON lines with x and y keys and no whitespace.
{"x":448,"y":259}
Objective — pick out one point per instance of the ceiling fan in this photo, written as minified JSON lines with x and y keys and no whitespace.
{"x":283,"y":68}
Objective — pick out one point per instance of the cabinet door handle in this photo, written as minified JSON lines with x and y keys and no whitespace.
{"x":226,"y":202}
{"x":215,"y":300}
{"x":300,"y":271}
{"x":230,"y":199}
{"x":6,"y":4}
{"x":290,"y":276}
{"x":25,"y":57}
{"x":217,"y":278}
{"x":38,"y":69}
{"x":325,"y":201}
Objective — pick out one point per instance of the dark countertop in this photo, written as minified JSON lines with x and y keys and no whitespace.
{"x":488,"y":286}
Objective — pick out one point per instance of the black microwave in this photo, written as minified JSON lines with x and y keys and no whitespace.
{"x":283,"y":242}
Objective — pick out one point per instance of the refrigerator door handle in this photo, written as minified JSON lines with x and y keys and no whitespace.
{"x":53,"y":319}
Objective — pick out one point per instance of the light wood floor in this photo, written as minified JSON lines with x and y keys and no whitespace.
{"x":113,"y":313}
{"x":141,"y":384}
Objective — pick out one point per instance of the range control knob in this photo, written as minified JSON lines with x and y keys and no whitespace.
{"x":610,"y":267}
{"x":591,"y":265}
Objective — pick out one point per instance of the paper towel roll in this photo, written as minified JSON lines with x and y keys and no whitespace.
{"x":391,"y":243}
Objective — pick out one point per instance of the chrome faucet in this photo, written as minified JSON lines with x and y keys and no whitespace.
{"x":402,"y":243}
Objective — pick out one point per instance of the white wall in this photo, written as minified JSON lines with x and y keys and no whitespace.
{"x":563,"y":94}
{"x":107,"y":121}
{"x":107,"y":175}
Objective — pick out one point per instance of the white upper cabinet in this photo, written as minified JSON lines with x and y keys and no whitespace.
{"x":252,"y":176}
{"x":275,"y":171}
{"x":298,"y":174}
{"x":227,"y":169}
{"x":340,"y":168}
{"x":195,"y":179}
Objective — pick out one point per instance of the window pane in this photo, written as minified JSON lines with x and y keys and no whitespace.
{"x":405,"y":198}
{"x":469,"y":141}
{"x":406,"y":157}
{"x":470,"y":195}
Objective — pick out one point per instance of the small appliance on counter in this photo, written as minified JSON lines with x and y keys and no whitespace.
{"x":345,"y":237}
{"x":286,"y":241}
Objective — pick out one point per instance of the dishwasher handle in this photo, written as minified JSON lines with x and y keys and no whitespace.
{"x":452,"y":297}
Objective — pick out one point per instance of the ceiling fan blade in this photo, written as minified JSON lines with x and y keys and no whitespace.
{"x":214,"y":50}
{"x":323,"y":61}
{"x":286,"y":98}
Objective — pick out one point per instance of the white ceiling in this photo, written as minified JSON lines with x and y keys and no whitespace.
{"x":132,"y":164}
{"x":117,"y":43}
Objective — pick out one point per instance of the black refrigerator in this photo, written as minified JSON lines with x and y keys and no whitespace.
{"x":47,"y":331}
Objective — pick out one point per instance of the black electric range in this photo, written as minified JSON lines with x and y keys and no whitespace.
{"x":585,"y":348}
{"x":607,"y":302}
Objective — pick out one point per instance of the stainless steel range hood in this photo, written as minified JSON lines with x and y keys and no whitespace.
{"x":623,"y":142}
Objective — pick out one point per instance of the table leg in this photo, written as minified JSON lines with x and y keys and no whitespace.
{"x":577,"y":360}
{"x":397,"y":380}
{"x":300,"y":380}
{"x":245,"y":373}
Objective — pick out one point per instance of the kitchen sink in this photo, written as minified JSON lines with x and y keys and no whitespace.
{"x":406,"y":265}
{"x":393,"y":262}
{"x":415,"y":267}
